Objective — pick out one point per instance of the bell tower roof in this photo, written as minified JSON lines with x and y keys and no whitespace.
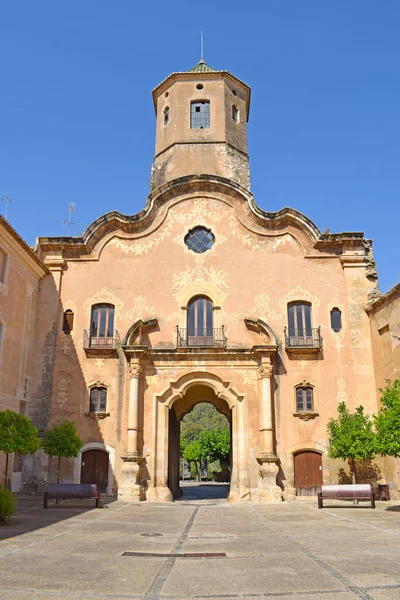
{"x":202,"y":69}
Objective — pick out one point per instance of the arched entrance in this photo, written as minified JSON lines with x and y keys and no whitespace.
{"x":94,"y":468}
{"x":170,"y":407}
{"x":307,"y":473}
{"x":196,"y":394}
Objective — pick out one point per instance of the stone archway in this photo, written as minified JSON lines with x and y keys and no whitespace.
{"x":179,"y":398}
{"x":196,"y":394}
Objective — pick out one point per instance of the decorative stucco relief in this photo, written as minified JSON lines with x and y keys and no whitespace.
{"x":202,"y":214}
{"x":62,"y":395}
{"x":99,"y":362}
{"x":105,"y":295}
{"x":138,"y":248}
{"x":66,"y":343}
{"x":341,"y":396}
{"x":138,"y":309}
{"x":262,"y":306}
{"x":249,"y":377}
{"x":200,"y":272}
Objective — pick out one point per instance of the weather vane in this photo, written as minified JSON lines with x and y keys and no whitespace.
{"x":201,"y":47}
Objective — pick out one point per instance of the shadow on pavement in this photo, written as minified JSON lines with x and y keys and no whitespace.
{"x":31,"y":516}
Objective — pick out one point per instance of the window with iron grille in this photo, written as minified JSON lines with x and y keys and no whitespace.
{"x":304,"y":399}
{"x":200,"y":114}
{"x":98,"y":399}
{"x":200,"y":240}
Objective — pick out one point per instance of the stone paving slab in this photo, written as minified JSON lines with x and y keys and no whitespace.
{"x":285,"y":551}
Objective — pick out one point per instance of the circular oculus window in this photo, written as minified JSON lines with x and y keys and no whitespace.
{"x":200,"y":240}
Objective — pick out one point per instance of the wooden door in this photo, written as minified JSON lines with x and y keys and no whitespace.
{"x":95,"y":468}
{"x":307,"y":473}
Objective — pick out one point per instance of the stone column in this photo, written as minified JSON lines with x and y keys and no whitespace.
{"x":267,"y":489}
{"x":131,"y":489}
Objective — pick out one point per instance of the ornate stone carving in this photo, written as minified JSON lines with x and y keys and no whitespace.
{"x":266,"y":370}
{"x":306,"y":416}
{"x":134,"y":370}
{"x":97,"y":415}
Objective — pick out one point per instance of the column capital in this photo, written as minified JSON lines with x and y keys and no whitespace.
{"x":266,"y":370}
{"x":134,"y":370}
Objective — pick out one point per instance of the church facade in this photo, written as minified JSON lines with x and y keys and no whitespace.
{"x":202,"y":297}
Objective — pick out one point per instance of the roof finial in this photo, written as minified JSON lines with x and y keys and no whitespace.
{"x":202,"y":61}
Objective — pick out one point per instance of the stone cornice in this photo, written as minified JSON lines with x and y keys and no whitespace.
{"x":74,"y":248}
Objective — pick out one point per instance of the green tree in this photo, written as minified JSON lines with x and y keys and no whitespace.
{"x":351,"y":437}
{"x":203,"y":416}
{"x":215,"y":444}
{"x":62,"y":440}
{"x":18,"y":435}
{"x":387,"y":420}
{"x":192,"y":453}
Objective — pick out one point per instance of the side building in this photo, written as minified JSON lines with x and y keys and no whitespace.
{"x":21,"y":272}
{"x":384,"y":316}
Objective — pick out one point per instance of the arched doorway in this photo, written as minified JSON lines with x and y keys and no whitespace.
{"x":196,"y":395}
{"x":94,"y":468}
{"x":307,"y":473}
{"x":163,"y":464}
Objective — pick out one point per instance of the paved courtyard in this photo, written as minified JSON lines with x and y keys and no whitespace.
{"x":285,"y":551}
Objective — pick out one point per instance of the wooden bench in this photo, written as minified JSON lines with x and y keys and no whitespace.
{"x":67,"y":491}
{"x":355,"y":491}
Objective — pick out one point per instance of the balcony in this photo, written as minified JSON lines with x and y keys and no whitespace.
{"x":303,"y":340}
{"x":201,"y":338}
{"x":99,"y":345}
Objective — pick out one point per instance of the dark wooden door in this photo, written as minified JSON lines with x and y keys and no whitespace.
{"x":95,"y":468}
{"x":307,"y":473}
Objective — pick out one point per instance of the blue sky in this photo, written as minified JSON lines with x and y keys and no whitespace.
{"x":77,"y":122}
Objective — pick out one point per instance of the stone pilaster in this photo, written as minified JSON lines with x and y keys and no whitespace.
{"x":131,"y":489}
{"x":267,"y":489}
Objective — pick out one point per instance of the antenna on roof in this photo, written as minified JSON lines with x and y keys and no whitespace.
{"x":71,"y":206}
{"x":202,"y":48}
{"x":6,"y":201}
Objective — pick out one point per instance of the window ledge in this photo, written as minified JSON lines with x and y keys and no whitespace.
{"x":306,"y":416}
{"x":97,"y":415}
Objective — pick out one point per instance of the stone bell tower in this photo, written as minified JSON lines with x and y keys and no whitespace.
{"x":201,"y":126}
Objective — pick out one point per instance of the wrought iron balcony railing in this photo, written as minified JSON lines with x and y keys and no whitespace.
{"x":92,"y":341}
{"x":303,"y":338}
{"x":201,"y":337}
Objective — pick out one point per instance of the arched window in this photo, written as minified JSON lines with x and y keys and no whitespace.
{"x":98,"y":399}
{"x":166,"y":115}
{"x":235,"y":113}
{"x":336,"y":319}
{"x":200,"y":114}
{"x":68,"y":321}
{"x":200,"y":322}
{"x":304,"y":399}
{"x":299,"y":322}
{"x":102,"y":326}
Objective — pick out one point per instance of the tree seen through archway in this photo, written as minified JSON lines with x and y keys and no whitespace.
{"x":205,"y":442}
